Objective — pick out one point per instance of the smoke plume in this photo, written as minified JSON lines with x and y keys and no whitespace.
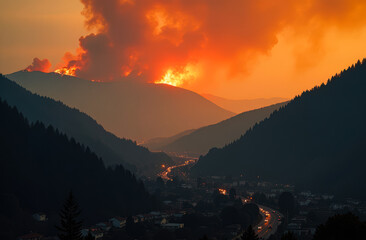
{"x":197,"y":39}
{"x":39,"y":65}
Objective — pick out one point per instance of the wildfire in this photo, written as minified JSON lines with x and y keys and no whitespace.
{"x":66,"y":71}
{"x":178,"y":77}
{"x":222,"y":191}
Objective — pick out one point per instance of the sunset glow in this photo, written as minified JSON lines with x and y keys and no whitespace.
{"x":244,"y":49}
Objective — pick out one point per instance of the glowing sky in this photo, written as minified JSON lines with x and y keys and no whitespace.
{"x":234,"y":49}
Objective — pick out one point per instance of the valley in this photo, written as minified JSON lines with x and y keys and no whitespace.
{"x":183,"y":120}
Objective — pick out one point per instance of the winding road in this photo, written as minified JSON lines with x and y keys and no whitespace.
{"x":165,"y":174}
{"x":269,"y":223}
{"x":271,"y":219}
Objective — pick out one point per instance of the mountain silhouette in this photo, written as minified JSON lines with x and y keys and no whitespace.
{"x":130,"y":108}
{"x":199,"y":141}
{"x":317,"y":141}
{"x":83,"y":128}
{"x":39,"y":166}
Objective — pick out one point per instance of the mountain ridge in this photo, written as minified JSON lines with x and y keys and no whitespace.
{"x":82,"y":127}
{"x":317,"y":141}
{"x":199,"y":141}
{"x":130,"y":108}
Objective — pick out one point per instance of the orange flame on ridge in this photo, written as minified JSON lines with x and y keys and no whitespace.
{"x":178,"y":77}
{"x":66,"y":71}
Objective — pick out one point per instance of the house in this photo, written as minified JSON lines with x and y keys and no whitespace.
{"x":135,"y":219}
{"x":84,"y":232}
{"x":172,"y":226}
{"x":40,"y":217}
{"x":96,"y":233}
{"x":31,"y":236}
{"x":141,"y":217}
{"x":118,"y":222}
{"x":105,"y":226}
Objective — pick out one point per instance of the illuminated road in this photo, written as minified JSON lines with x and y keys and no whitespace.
{"x":269,"y":223}
{"x":165,"y":175}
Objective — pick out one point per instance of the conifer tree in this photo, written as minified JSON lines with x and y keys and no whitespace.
{"x":249,"y":234}
{"x":70,"y":227}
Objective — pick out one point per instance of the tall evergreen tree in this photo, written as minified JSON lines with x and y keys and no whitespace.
{"x":249,"y":234}
{"x":70,"y":228}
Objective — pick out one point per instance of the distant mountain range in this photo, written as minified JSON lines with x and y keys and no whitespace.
{"x":130,"y":108}
{"x":317,"y":141}
{"x":199,"y":141}
{"x":39,"y":167}
{"x":82,"y":128}
{"x":243,"y":105}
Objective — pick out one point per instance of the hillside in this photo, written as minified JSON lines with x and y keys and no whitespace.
{"x":130,"y":108}
{"x":83,"y":128}
{"x":39,"y":166}
{"x":217,"y":135}
{"x":243,"y":105}
{"x":317,"y":141}
{"x":160,"y":142}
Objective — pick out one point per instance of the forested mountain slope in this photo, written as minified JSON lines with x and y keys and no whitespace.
{"x":128,"y":108}
{"x":83,"y":128}
{"x":39,"y":166}
{"x":317,"y":141}
{"x":218,"y":135}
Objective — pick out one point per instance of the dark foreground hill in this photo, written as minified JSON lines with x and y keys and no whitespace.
{"x":129,"y":108}
{"x":39,"y":166}
{"x":83,"y":128}
{"x":217,"y":135}
{"x":317,"y":141}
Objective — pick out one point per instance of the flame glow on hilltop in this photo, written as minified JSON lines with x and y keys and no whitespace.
{"x":178,"y":77}
{"x":66,"y":71}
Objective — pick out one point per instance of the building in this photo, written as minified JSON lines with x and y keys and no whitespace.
{"x":118,"y":222}
{"x":96,"y":233}
{"x":40,"y":217}
{"x":105,"y":226}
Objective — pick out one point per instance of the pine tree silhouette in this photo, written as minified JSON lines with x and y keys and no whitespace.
{"x":249,"y":234}
{"x":70,"y":228}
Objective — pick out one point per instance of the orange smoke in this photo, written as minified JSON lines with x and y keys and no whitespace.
{"x":163,"y":40}
{"x":39,"y":65}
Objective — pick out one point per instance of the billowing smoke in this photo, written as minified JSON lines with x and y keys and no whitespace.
{"x":39,"y":65}
{"x":199,"y":38}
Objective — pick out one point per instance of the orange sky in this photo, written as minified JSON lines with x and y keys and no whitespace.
{"x":233,"y":49}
